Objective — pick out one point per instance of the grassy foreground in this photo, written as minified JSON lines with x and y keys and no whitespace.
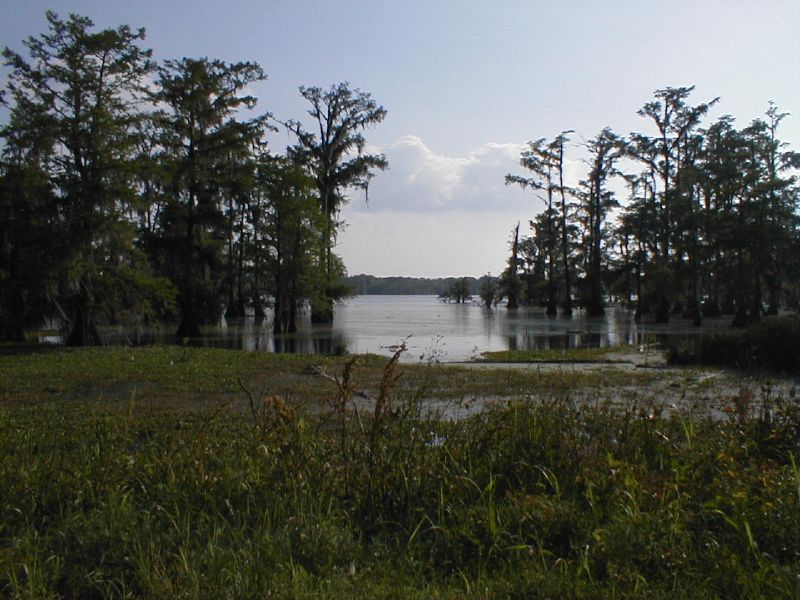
{"x":118,"y":494}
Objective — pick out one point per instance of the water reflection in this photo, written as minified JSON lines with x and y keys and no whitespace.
{"x":447,"y":331}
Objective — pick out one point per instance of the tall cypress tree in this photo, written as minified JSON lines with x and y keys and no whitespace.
{"x":85,"y":87}
{"x":335,"y":157}
{"x":203,"y":144}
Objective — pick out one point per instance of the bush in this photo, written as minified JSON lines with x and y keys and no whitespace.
{"x":528,"y":499}
{"x":773,"y":345}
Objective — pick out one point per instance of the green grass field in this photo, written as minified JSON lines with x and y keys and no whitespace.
{"x":147,"y":473}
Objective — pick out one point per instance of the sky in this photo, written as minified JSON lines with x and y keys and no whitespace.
{"x":466,"y":84}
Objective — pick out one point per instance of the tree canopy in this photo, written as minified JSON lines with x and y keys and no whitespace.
{"x":709,"y":208}
{"x":134,"y":191}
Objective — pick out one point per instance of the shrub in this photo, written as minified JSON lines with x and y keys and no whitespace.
{"x":772,"y":344}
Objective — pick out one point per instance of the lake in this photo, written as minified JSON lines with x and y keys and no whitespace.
{"x":434,"y":330}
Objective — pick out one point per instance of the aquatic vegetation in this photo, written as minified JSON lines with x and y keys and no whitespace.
{"x":566,"y":355}
{"x":187,"y":377}
{"x":550,"y":499}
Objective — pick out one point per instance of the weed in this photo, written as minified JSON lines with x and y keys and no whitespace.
{"x":378,"y":498}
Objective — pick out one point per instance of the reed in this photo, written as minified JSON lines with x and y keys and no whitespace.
{"x":547,"y":499}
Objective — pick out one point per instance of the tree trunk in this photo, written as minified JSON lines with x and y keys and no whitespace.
{"x":84,"y":329}
{"x":565,"y":242}
{"x":292,"y":307}
{"x":513,"y":301}
{"x":322,"y":308}
{"x":277,"y":310}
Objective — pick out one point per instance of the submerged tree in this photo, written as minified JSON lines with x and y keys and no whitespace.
{"x":765,"y":219}
{"x":707,"y":213}
{"x":539,"y":160}
{"x":204,"y":145}
{"x":290,"y":227}
{"x":596,"y":202}
{"x":84,"y":87}
{"x":457,"y":292}
{"x":490,"y":291}
{"x":334,"y":154}
{"x":511,"y":285}
{"x":556,"y":148}
{"x":662,"y":155}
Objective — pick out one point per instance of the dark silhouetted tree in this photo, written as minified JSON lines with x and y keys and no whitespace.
{"x":333,"y":152}
{"x":85,"y":87}
{"x":204,"y":146}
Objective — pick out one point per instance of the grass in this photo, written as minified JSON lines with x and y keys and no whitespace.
{"x":118,"y":496}
{"x":169,"y":377}
{"x":567,"y":355}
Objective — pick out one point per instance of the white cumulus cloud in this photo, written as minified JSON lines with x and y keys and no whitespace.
{"x":421,"y":180}
{"x":433,"y":215}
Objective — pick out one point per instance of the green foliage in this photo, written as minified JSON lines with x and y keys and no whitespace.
{"x":490,"y":291}
{"x":333,"y":152}
{"x":158,"y":378}
{"x":70,"y":143}
{"x":571,"y":355}
{"x":124,"y":198}
{"x":369,"y":284}
{"x":707,"y":213}
{"x":205,"y":148}
{"x":458,"y":292}
{"x":553,"y":229}
{"x":290,"y":225}
{"x":30,"y":254}
{"x":773,"y":345}
{"x":533,"y":499}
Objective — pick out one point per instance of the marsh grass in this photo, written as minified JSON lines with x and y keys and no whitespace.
{"x":170,"y":377}
{"x":566,"y":355}
{"x":548,"y":499}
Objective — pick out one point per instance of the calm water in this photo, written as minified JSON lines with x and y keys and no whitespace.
{"x":434,"y":330}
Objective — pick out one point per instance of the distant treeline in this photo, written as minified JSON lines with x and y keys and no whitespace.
{"x":369,"y":284}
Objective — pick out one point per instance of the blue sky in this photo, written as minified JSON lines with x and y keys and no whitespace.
{"x":466,"y":84}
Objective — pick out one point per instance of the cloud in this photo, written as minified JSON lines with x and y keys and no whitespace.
{"x":433,"y":215}
{"x":420,"y":180}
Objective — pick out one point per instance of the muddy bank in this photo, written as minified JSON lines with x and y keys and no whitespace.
{"x":697,"y":391}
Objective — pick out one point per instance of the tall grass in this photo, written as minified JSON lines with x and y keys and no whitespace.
{"x":528,"y":500}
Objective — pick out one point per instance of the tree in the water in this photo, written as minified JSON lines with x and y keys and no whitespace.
{"x":637,"y":243}
{"x":595,"y":204}
{"x":203,"y":145}
{"x":290,"y":226}
{"x":539,"y":159}
{"x":766,"y":218}
{"x":510,"y":277}
{"x":333,"y":151}
{"x":675,"y":120}
{"x":82,"y":88}
{"x":534,"y":264}
{"x":490,"y":290}
{"x":458,"y":292}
